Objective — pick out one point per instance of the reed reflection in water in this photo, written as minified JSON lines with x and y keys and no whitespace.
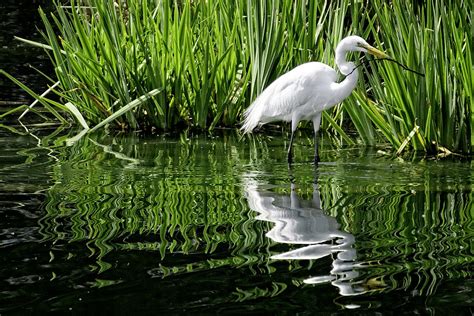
{"x":304,"y":223}
{"x":179,"y":215}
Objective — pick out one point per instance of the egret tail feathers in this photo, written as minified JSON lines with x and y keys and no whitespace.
{"x":251,"y":118}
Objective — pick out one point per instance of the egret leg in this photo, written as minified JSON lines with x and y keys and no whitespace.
{"x":290,"y":146}
{"x":294,"y":124}
{"x":316,"y":124}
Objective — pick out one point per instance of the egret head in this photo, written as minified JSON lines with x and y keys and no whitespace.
{"x":358,"y":44}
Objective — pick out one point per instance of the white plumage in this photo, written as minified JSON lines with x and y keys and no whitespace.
{"x":289,"y":94}
{"x":307,"y":90}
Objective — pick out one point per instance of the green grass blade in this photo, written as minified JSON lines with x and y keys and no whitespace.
{"x":140,"y":100}
{"x":47,"y":103}
{"x":36,"y":44}
{"x":73,"y":109}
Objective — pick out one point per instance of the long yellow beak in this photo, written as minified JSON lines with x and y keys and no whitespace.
{"x":374,"y":51}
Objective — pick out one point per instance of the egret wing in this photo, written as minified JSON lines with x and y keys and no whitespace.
{"x":305,"y":84}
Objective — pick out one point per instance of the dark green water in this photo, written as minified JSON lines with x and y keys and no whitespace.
{"x":20,"y":18}
{"x":215,"y":224}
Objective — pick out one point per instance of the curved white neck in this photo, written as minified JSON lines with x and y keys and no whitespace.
{"x":345,"y":67}
{"x":344,"y":88}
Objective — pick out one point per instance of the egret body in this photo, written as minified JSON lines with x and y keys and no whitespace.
{"x":307,"y":90}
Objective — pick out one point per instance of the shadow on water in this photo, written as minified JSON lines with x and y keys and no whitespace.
{"x":218,"y":224}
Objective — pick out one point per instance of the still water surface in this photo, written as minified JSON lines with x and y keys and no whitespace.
{"x":20,"y":18}
{"x":218,"y":224}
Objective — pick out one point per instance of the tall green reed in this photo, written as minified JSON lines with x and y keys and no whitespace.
{"x":204,"y":61}
{"x":429,"y":113}
{"x":106,"y":56}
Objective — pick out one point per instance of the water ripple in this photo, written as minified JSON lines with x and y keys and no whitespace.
{"x":114,"y":212}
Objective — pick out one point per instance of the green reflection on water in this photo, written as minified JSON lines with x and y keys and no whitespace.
{"x":411,"y":222}
{"x":165,"y":195}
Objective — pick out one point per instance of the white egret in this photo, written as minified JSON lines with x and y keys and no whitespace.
{"x":307,"y":90}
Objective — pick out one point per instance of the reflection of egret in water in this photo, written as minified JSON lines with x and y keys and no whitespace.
{"x":304,"y":223}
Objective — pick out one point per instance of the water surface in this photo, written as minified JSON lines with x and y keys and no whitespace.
{"x":20,"y":18}
{"x":219,"y":224}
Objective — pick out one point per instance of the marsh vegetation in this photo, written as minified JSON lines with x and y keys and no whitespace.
{"x":145,"y":65}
